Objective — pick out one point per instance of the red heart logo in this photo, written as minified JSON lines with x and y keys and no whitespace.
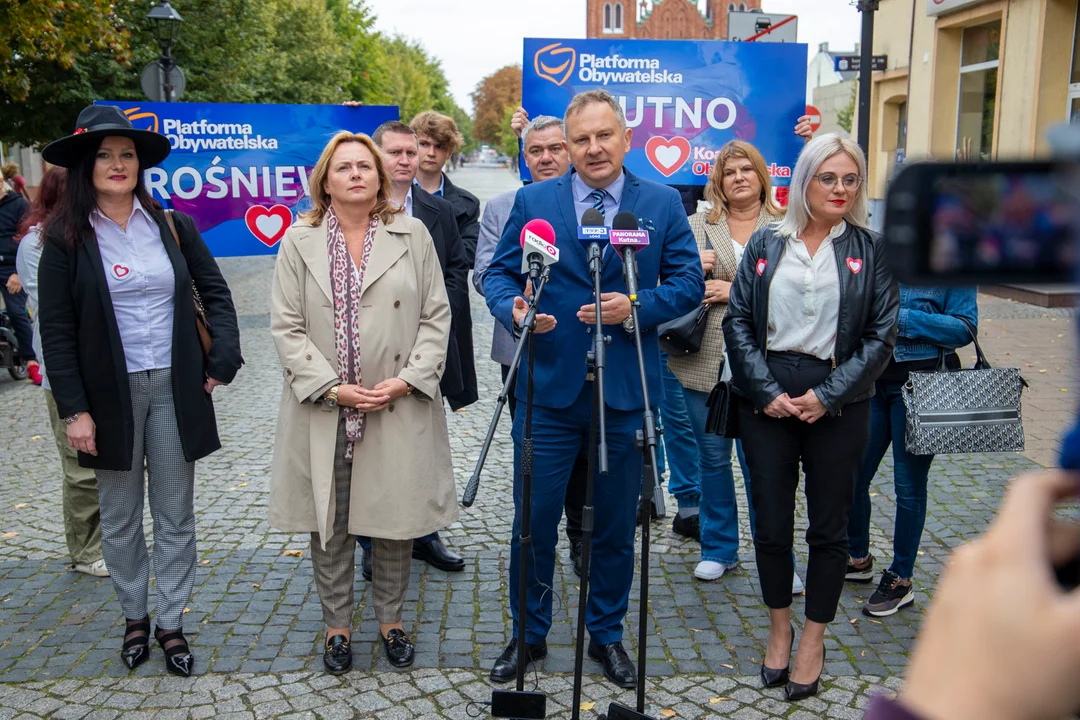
{"x":667,"y":155}
{"x":761,"y":266}
{"x":120,"y":272}
{"x":268,"y":225}
{"x":854,"y":264}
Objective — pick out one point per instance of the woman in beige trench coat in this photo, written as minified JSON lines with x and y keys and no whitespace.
{"x":361,"y":322}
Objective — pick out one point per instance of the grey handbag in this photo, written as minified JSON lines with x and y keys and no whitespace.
{"x":964,"y":411}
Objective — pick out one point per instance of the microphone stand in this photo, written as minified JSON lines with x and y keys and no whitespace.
{"x":647,"y":443}
{"x":597,"y":463}
{"x":518,"y":704}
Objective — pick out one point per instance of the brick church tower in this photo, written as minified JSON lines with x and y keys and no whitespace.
{"x":665,"y":20}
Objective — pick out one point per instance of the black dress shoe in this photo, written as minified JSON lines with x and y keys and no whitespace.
{"x":794,"y":691}
{"x":337,"y":655}
{"x":437,"y":555}
{"x":365,"y":563}
{"x":136,"y":648}
{"x":399,"y":648}
{"x":505,"y":668}
{"x":617,"y":666}
{"x":178,"y":657}
{"x":776,"y":678}
{"x":575,"y":555}
{"x":687,"y":526}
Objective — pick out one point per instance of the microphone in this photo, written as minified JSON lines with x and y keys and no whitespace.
{"x":627,"y":238}
{"x":538,"y":247}
{"x":592,"y":229}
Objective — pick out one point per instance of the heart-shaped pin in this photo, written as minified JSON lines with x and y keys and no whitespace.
{"x":120,"y":271}
{"x":854,"y":264}
{"x":761,"y":266}
{"x":268,"y":225}
{"x":667,"y":155}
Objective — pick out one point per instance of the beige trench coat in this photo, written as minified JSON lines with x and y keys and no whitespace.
{"x":402,"y":475}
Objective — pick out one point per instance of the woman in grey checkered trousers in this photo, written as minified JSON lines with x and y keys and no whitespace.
{"x":117,"y":320}
{"x":360,"y":450}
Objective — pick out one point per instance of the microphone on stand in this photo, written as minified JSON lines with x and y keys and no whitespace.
{"x":538,"y":247}
{"x":627,"y":239}
{"x":594,"y":234}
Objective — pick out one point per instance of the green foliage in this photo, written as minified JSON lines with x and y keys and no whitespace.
{"x":493,"y":94}
{"x":508,"y":141}
{"x":845,"y":115}
{"x":241,"y":51}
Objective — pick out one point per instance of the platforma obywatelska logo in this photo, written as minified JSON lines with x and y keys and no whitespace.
{"x":555,"y":63}
{"x":142,"y":120}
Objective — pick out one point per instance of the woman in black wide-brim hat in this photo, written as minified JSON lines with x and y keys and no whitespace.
{"x":128,"y":373}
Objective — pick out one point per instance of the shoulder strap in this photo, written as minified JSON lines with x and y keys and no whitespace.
{"x":172,"y":226}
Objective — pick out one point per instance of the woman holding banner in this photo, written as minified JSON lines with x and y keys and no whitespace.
{"x":119,"y":335}
{"x":360,"y":451}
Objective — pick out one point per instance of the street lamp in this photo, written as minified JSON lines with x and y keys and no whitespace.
{"x":165,"y":27}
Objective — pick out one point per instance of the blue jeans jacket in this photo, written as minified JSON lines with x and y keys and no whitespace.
{"x":930,"y":319}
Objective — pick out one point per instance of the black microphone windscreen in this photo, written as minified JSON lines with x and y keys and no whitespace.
{"x":592,"y":216}
{"x":624,"y":221}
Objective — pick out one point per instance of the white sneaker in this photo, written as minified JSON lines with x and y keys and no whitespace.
{"x":97,"y":568}
{"x":709,"y":570}
{"x":797,"y":587}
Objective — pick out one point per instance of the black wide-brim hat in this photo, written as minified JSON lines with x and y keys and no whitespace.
{"x":97,"y":122}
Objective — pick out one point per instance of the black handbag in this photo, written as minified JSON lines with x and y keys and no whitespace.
{"x":683,"y":335}
{"x":723,"y":417}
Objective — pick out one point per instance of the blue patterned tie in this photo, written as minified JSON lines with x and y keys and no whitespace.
{"x":597,"y":197}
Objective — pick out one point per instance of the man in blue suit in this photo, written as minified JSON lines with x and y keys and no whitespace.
{"x":670,"y":273}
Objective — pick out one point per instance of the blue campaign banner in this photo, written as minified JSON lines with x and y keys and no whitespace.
{"x":241,"y":171}
{"x":683,"y":98}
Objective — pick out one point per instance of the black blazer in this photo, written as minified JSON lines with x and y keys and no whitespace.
{"x":467,"y":213}
{"x":866,"y":328}
{"x":459,"y":378}
{"x":81,"y":343}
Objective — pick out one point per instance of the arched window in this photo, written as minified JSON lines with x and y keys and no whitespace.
{"x":618,"y":27}
{"x":731,"y":7}
{"x":607,"y":17}
{"x":742,"y":7}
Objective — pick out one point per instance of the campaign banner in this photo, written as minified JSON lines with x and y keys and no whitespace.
{"x":683,"y":98}
{"x":241,"y":171}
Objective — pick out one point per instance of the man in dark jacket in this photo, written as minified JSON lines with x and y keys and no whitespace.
{"x":399,"y":146}
{"x":13,"y":207}
{"x":438,"y":139}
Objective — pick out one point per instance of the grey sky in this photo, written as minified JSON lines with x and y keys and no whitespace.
{"x":473,"y":38}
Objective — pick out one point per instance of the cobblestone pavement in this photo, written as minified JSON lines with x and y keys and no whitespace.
{"x":254,"y":619}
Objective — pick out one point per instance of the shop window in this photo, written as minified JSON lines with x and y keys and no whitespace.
{"x":979,"y":59}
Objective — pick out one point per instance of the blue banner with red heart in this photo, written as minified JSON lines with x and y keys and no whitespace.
{"x":683,"y":98}
{"x":241,"y":171}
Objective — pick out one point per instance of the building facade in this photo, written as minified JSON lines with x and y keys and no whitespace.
{"x":662,"y":19}
{"x":988,"y":78}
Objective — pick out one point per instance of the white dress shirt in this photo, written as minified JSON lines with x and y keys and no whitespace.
{"x":142,"y":285}
{"x":804,"y":299}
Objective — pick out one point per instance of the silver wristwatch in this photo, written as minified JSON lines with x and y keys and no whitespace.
{"x":628,"y":324}
{"x":72,"y":418}
{"x":330,"y":398}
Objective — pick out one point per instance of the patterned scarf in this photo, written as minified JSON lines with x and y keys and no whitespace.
{"x":346,"y":281}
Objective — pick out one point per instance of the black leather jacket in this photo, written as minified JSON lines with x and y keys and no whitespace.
{"x":866,"y":329}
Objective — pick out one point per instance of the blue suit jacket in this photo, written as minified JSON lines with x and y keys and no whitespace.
{"x":669,"y":277}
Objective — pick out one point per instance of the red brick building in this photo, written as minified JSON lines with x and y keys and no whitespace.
{"x":666,"y":20}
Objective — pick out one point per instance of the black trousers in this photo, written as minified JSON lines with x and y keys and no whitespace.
{"x":575,"y":489}
{"x":830,"y":452}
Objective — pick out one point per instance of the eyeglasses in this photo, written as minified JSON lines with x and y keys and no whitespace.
{"x":828,"y":181}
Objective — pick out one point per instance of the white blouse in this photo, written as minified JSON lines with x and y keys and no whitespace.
{"x":142,"y":285}
{"x":804,"y":299}
{"x":739,"y":251}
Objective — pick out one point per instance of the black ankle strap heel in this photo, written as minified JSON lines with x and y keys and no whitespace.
{"x":178,"y":657}
{"x":136,"y":647}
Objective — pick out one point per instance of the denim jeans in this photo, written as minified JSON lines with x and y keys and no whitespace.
{"x":20,"y":321}
{"x":719,"y":512}
{"x":679,"y":443}
{"x":910,"y":472}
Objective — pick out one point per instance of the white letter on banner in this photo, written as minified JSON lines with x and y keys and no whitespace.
{"x":195,"y":191}
{"x":658,"y":104}
{"x":710,"y":112}
{"x":214,"y":173}
{"x":251,"y":184}
{"x":282,"y":179}
{"x":683,"y":110}
{"x":638,"y":110}
{"x":155,"y":179}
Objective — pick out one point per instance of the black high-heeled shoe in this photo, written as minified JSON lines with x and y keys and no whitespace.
{"x":136,"y":648}
{"x":776,"y":678}
{"x":178,"y":657}
{"x":794,"y":691}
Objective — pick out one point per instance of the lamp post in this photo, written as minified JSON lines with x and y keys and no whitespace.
{"x":867,"y":8}
{"x":165,"y":27}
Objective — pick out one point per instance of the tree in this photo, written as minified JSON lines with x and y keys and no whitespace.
{"x":354,"y":23}
{"x":508,"y":141}
{"x":53,"y":31}
{"x":493,"y":94}
{"x":303,"y":62}
{"x":845,"y":115}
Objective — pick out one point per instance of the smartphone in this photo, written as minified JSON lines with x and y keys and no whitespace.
{"x":984,"y":223}
{"x":521,"y":705}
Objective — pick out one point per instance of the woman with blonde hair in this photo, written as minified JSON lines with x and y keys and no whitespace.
{"x":811,"y":323}
{"x":361,"y":449}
